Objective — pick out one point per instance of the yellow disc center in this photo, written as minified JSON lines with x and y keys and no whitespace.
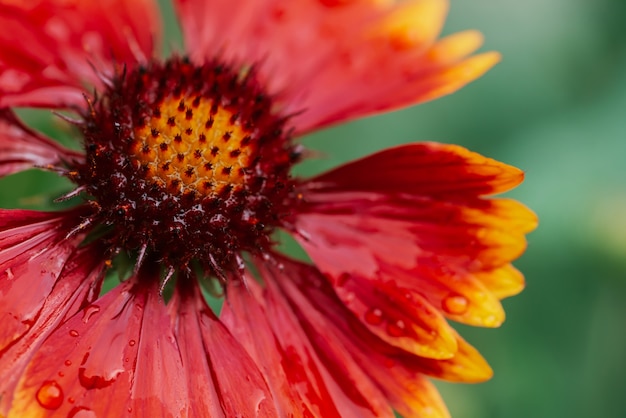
{"x":192,"y":144}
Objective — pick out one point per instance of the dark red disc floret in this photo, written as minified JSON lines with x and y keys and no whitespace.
{"x":224,"y":195}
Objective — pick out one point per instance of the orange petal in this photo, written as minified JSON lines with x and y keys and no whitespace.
{"x":453,"y":78}
{"x":415,"y":23}
{"x":502,"y":282}
{"x":330,"y":61}
{"x":333,"y":329}
{"x":460,"y":296}
{"x":466,"y":366}
{"x":454,"y":47}
{"x":399,"y":316}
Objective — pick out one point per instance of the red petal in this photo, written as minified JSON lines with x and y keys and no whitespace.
{"x":422,"y":169}
{"x":352,"y":391}
{"x":223,"y":379}
{"x":115,"y":357}
{"x":329,"y":61}
{"x":77,"y":285}
{"x":287,"y":362}
{"x":503,"y":282}
{"x":49,"y":48}
{"x":343,"y":341}
{"x":433,"y":234}
{"x":22,"y":148}
{"x":33,"y":252}
{"x":398,"y":315}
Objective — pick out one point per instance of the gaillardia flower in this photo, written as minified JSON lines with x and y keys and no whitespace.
{"x":186,"y":168}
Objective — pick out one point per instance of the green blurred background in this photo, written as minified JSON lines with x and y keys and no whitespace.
{"x":555,"y":107}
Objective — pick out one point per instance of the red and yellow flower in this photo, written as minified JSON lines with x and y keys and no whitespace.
{"x":185,"y":165}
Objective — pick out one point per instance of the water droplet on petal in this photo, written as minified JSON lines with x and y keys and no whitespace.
{"x":71,"y":400}
{"x":374,"y":316}
{"x":396,"y":329}
{"x":491,"y":321}
{"x":68,"y":363}
{"x":50,"y":395}
{"x":455,"y":304}
{"x":132,"y":343}
{"x":96,"y":381}
{"x":74,"y":333}
{"x":349,"y":297}
{"x":261,"y":403}
{"x":81,"y":412}
{"x":61,"y":374}
{"x":90,"y":311}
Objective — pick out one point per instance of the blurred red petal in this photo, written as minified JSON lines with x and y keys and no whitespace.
{"x":22,"y":148}
{"x":330,"y":61}
{"x":49,"y":48}
{"x":223,"y":380}
{"x":116,"y":356}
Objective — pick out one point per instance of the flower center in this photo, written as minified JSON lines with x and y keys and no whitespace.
{"x":188,"y":162}
{"x":192,"y":144}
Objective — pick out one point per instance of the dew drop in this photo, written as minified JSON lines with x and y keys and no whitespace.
{"x":97,"y":381}
{"x":491,"y":321}
{"x":349,"y":297}
{"x":374,"y":316}
{"x":396,"y":329}
{"x":61,"y":374}
{"x":74,"y":333}
{"x":455,"y":304}
{"x":131,"y":343}
{"x":50,"y":395}
{"x":89,"y":312}
{"x":81,"y":412}
{"x":71,"y":400}
{"x":68,"y":363}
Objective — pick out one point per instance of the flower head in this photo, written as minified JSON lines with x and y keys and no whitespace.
{"x":186,"y":167}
